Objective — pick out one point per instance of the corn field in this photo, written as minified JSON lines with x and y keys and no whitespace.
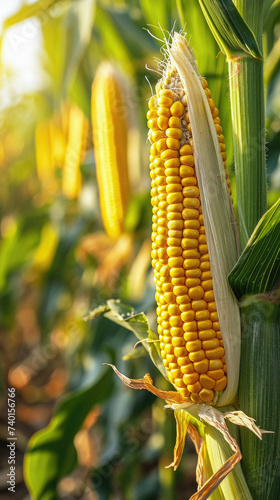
{"x":140,"y":249}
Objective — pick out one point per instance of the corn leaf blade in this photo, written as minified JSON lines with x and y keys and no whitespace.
{"x":161,"y":10}
{"x":231,"y":32}
{"x":51,"y":453}
{"x":71,"y":31}
{"x":125,"y":316}
{"x":258,"y":268}
{"x":35,"y":9}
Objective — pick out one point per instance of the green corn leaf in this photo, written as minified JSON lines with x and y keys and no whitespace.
{"x":258,"y":268}
{"x":233,"y":35}
{"x":125,"y":316}
{"x":51,"y":453}
{"x":135,"y":353}
{"x":24,"y":235}
{"x":158,"y":13}
{"x":119,"y":37}
{"x":71,"y":32}
{"x":35,"y":9}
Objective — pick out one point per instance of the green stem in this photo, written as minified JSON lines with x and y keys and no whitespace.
{"x":259,"y":397}
{"x":247,"y":103}
{"x":248,"y":118}
{"x":259,"y":394}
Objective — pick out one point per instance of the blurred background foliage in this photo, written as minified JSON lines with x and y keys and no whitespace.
{"x":57,"y":263}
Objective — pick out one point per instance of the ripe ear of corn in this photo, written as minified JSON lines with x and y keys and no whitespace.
{"x":192,"y":233}
{"x":61,"y":143}
{"x":109,"y":122}
{"x":59,"y":128}
{"x":45,"y":168}
{"x":75,"y":151}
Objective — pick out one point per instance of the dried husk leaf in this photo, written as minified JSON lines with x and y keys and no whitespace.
{"x":182,"y":424}
{"x":147,"y":383}
{"x":192,"y":418}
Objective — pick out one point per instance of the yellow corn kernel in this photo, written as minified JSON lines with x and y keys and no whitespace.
{"x":161,"y":145}
{"x":162,"y":122}
{"x":191,"y":263}
{"x":182,"y":361}
{"x":190,"y":336}
{"x":206,"y":381}
{"x":175,"y":133}
{"x":179,"y":383}
{"x":189,"y":181}
{"x":197,"y":355}
{"x":178,"y":342}
{"x":194,"y":345}
{"x":210,"y":344}
{"x":190,"y":326}
{"x":163,"y":111}
{"x":195,"y":388}
{"x":176,"y":332}
{"x":215,"y":364}
{"x":187,"y":368}
{"x":192,"y":282}
{"x":195,"y":398}
{"x":216,"y":353}
{"x":207,"y":334}
{"x":187,"y":171}
{"x":174,"y":122}
{"x":191,"y":378}
{"x":157,"y":135}
{"x":165,"y":101}
{"x":177,"y":109}
{"x":215,"y":374}
{"x":187,"y":160}
{"x":206,"y":395}
{"x":184,"y":392}
{"x":201,"y":366}
{"x":176,"y":373}
{"x":220,"y":384}
{"x":168,"y":153}
{"x":209,"y":296}
{"x":196,"y":293}
{"x":202,"y":315}
{"x":189,"y":213}
{"x":173,"y":143}
{"x":167,"y":92}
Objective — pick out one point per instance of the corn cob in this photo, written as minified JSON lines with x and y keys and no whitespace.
{"x":109,"y":124}
{"x":188,"y":325}
{"x":75,"y":151}
{"x":45,"y":168}
{"x":59,"y":131}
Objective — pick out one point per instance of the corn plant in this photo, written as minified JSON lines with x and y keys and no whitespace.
{"x":216,"y":279}
{"x":195,"y":247}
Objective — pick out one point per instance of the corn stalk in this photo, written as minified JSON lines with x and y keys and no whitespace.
{"x":259,"y":394}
